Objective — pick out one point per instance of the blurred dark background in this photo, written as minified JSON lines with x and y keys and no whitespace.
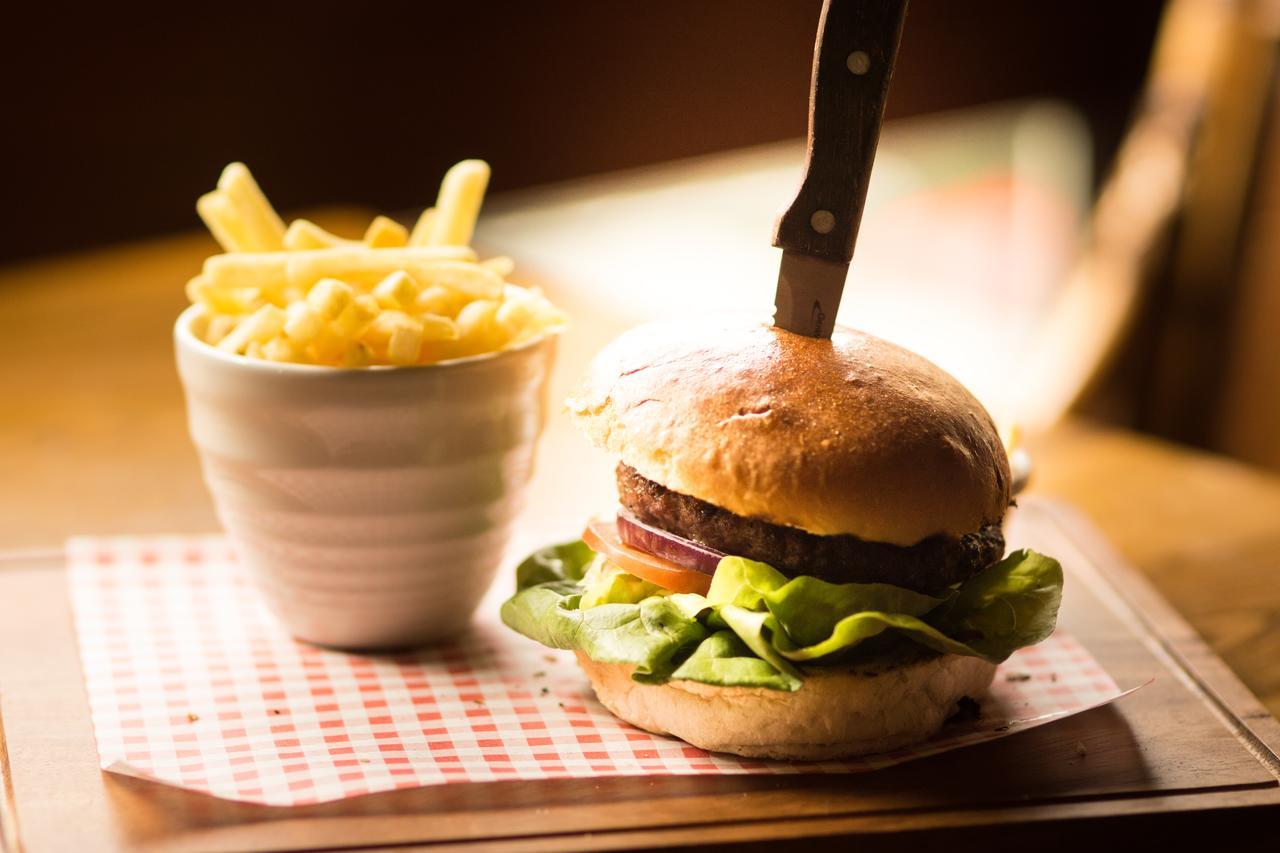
{"x":120,"y":116}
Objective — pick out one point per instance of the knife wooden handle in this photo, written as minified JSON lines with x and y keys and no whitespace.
{"x":852,"y":63}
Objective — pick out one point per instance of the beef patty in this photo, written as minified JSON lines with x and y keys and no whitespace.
{"x":929,"y":565}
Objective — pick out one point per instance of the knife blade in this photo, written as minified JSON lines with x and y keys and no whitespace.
{"x":809,"y":291}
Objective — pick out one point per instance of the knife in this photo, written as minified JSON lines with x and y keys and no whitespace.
{"x":852,"y":63}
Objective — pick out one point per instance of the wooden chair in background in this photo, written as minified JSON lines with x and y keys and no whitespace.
{"x":1171,"y":320}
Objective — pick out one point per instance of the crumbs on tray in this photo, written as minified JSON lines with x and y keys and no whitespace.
{"x":394,"y":297}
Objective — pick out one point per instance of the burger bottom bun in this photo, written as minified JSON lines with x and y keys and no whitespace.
{"x":834,"y":715}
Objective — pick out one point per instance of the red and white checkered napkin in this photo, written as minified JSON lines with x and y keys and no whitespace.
{"x":192,"y":683}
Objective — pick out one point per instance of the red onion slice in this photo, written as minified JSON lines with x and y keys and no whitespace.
{"x":653,"y":540}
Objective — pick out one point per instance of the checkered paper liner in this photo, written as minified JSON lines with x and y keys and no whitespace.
{"x":192,"y":683}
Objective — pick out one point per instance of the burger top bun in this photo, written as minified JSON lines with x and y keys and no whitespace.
{"x":852,"y":435}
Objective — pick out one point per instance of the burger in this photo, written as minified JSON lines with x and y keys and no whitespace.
{"x":807,"y":561}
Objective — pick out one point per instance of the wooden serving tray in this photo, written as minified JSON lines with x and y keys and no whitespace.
{"x":1191,"y":754}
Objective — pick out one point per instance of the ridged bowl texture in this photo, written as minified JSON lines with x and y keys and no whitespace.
{"x":370,"y":506}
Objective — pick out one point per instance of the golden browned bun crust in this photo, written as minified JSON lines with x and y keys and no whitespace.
{"x":852,"y":435}
{"x":833,"y":715}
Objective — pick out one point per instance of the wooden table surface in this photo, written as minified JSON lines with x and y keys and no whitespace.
{"x":1190,"y":755}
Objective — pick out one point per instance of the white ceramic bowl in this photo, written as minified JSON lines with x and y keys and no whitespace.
{"x":371,"y":506}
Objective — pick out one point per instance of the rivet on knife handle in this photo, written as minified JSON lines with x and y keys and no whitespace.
{"x":852,"y":63}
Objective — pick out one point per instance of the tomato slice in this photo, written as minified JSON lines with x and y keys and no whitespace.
{"x":602,"y":537}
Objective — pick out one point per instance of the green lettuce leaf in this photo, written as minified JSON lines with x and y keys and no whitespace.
{"x":605,"y":583}
{"x":567,"y":561}
{"x":724,"y":660}
{"x":650,"y":635}
{"x":1009,"y":605}
{"x":756,"y":628}
{"x":854,"y":629}
{"x":807,"y":608}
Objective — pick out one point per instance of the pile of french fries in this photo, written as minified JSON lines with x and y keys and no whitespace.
{"x":394,"y":297}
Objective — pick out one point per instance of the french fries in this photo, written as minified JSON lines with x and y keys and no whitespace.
{"x":220,"y":218}
{"x":354,"y":264}
{"x":384,"y":232}
{"x":393,"y":297}
{"x":262,"y":225}
{"x":458,"y":206}
{"x":239,"y":215}
{"x":304,"y":234}
{"x":421,"y":232}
